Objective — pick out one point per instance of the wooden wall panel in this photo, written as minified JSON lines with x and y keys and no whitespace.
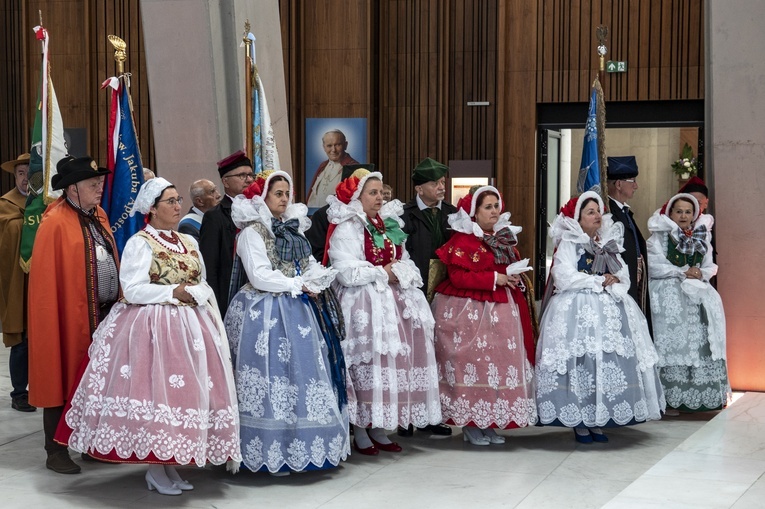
{"x":81,"y":59}
{"x":424,"y":60}
{"x":661,"y":40}
{"x":408,"y":66}
{"x":13,"y":133}
{"x":327,"y":66}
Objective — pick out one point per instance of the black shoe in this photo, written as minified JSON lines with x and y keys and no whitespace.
{"x":406,"y":432}
{"x":437,"y":429}
{"x":22,"y":404}
{"x":61,"y":462}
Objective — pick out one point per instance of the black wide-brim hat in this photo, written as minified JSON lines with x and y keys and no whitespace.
{"x":71,"y":170}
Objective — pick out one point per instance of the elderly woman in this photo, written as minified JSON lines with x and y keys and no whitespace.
{"x":158,"y":388}
{"x":688,"y":316}
{"x":484,"y":334}
{"x":290,"y":419}
{"x":392,"y":374}
{"x":596,"y":366}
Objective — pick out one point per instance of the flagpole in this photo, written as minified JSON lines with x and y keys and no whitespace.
{"x":120,"y":55}
{"x":247,"y":90}
{"x":602,"y":34}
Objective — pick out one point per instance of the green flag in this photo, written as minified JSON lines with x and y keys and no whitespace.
{"x":48,"y":147}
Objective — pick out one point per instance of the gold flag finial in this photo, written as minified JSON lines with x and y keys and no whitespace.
{"x":602,"y":34}
{"x":119,"y":52}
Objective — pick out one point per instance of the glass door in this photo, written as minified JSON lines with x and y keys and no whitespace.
{"x":548,"y":201}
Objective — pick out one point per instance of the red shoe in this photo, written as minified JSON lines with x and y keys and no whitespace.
{"x":391,"y":447}
{"x":369,"y":451}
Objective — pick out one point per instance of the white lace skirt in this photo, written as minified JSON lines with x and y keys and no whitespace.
{"x":694,"y":375}
{"x":486,"y":378}
{"x":596,"y":366}
{"x":392,"y":373}
{"x":159,"y":381}
{"x":288,"y":408}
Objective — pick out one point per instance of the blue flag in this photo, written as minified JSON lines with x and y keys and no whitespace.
{"x":124,"y":182}
{"x":262,"y":146}
{"x":589,"y":170}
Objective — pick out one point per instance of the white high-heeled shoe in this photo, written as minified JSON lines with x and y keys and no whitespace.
{"x":174,"y":476}
{"x":474,"y":436}
{"x":492,"y":436}
{"x":152,"y":484}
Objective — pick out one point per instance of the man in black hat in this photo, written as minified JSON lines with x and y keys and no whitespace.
{"x":13,"y":282}
{"x":317,"y":233}
{"x":218,"y":232}
{"x":73,"y":283}
{"x":426,"y":224}
{"x":622,"y":175}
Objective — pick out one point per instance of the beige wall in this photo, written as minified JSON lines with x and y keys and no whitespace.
{"x":736,"y":151}
{"x":654,"y":149}
{"x":195,"y":66}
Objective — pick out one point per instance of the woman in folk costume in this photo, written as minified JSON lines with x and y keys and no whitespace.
{"x":159,"y":388}
{"x":596,"y":365}
{"x":484,"y":332}
{"x":392,"y":374}
{"x":688,"y":315}
{"x":290,"y":418}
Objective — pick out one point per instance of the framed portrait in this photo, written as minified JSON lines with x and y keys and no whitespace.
{"x":330,"y":144}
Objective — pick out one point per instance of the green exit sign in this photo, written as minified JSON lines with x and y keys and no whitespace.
{"x":614,"y":66}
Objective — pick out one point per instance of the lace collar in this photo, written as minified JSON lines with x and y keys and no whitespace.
{"x":245,"y":212}
{"x":461,"y":222}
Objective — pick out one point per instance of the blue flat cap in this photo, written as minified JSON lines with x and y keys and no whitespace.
{"x":621,"y":167}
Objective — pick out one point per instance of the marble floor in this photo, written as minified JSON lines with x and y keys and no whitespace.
{"x":706,"y":460}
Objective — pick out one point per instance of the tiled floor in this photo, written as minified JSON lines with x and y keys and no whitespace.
{"x":687,"y":461}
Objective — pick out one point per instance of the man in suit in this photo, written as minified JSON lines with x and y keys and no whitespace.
{"x":425,"y":217}
{"x":622,"y":175}
{"x":218,"y":232}
{"x":426,"y":224}
{"x":204,"y":196}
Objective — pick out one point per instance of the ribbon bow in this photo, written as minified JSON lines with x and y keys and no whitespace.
{"x":391,"y":230}
{"x":605,"y":258}
{"x":692,"y":241}
{"x":501,"y":244}
{"x":290,"y":245}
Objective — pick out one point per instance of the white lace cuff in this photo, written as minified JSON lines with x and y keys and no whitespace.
{"x":407,"y":273}
{"x":617,"y":291}
{"x":694,"y":289}
{"x":381,"y":281}
{"x":297,"y":286}
{"x":318,"y":278}
{"x":200,"y":292}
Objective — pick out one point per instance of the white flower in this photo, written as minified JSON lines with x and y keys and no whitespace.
{"x":687,"y":163}
{"x":176,"y":381}
{"x":125,"y":371}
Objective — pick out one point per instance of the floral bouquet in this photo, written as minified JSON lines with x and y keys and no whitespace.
{"x":685,"y":167}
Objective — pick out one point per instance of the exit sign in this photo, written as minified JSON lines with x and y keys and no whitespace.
{"x":614,"y":66}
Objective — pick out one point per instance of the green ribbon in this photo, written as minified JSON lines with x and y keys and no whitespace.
{"x":392,"y":231}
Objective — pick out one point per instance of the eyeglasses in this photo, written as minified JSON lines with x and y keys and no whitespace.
{"x":173,"y":201}
{"x":242,"y":176}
